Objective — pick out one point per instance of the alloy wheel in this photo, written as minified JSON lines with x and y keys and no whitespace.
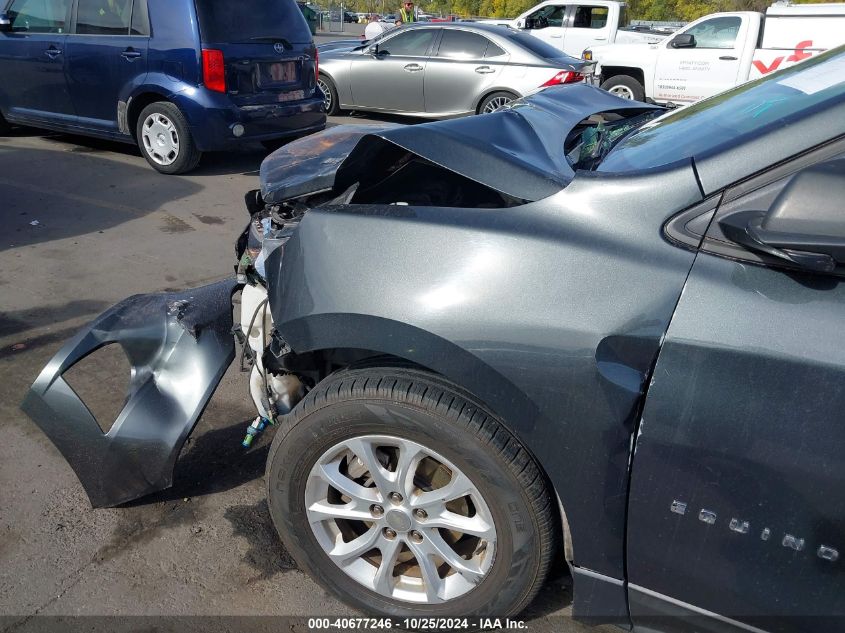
{"x":160,"y":139}
{"x":327,"y":94}
{"x":496,"y":104}
{"x":400,"y":519}
{"x":622,"y":91}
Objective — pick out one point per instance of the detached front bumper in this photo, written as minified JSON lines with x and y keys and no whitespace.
{"x":178,"y":346}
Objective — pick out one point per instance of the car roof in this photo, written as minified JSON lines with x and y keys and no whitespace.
{"x":497,"y":29}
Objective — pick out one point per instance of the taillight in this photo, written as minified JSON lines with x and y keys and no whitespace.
{"x":564,"y":77}
{"x":213,"y":70}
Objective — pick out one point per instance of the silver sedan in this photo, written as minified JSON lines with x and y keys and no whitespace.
{"x":442,"y":70}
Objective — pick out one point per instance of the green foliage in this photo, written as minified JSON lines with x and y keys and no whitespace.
{"x":659,"y":10}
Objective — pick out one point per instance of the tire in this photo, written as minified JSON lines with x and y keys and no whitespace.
{"x":625,"y":86}
{"x":330,"y":93}
{"x":165,"y":139}
{"x":276,"y":143}
{"x":391,"y":407}
{"x":494,"y":101}
{"x":5,"y":128}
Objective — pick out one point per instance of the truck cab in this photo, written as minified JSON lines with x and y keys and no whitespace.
{"x":574,"y":26}
{"x":718,"y":51}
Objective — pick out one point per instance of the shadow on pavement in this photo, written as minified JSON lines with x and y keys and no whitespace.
{"x":50,"y":197}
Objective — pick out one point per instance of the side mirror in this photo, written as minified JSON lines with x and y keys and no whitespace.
{"x":804,"y":226}
{"x":5,"y":23}
{"x":684,"y":40}
{"x":530,"y":24}
{"x":373,"y":50}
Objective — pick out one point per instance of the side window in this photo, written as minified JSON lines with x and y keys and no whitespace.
{"x":716,"y":32}
{"x":586,"y":17}
{"x":140,"y":19}
{"x":103,"y":17}
{"x":462,"y":45}
{"x":493,"y":51}
{"x":414,"y":43}
{"x":38,"y":16}
{"x":550,"y":15}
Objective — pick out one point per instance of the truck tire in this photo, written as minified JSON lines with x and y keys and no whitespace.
{"x":402,"y":495}
{"x":625,"y":86}
{"x":5,"y":128}
{"x":165,"y":140}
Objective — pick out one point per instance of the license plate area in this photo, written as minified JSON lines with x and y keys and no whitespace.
{"x":277,"y":74}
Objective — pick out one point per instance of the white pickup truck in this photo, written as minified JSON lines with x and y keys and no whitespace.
{"x":574,"y":26}
{"x":717,"y":52}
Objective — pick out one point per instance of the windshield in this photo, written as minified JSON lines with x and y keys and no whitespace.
{"x":734,"y":117}
{"x":224,"y":21}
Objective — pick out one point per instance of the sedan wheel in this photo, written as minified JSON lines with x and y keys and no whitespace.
{"x":420,"y":532}
{"x":495,"y":101}
{"x":330,"y":99}
{"x":403,"y":496}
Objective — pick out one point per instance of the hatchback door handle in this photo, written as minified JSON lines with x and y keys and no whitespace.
{"x":413,"y":68}
{"x":484,"y":70}
{"x":130,"y":54}
{"x":728,"y":58}
{"x":53,"y":52}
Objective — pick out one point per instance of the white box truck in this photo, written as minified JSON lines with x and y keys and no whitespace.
{"x":717,"y":52}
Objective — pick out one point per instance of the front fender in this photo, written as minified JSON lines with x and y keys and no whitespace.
{"x":178,"y":346}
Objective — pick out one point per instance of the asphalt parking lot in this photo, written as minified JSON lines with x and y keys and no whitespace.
{"x":85,"y":224}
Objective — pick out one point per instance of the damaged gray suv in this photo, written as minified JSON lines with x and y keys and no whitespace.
{"x":578,"y":329}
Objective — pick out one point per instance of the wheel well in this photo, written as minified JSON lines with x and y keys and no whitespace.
{"x":136,"y":105}
{"x":489,"y":92}
{"x":318,"y":365}
{"x":611,"y":71}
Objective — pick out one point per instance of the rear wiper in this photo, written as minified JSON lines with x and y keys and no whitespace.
{"x":272,"y":38}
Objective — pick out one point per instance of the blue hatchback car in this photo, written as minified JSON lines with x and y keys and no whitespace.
{"x":177,"y":77}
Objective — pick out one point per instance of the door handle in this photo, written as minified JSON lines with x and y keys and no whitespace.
{"x":600,"y":39}
{"x":556,"y":36}
{"x":130,"y":54}
{"x":53,"y":52}
{"x":413,"y":68}
{"x":728,"y":58}
{"x":484,"y":70}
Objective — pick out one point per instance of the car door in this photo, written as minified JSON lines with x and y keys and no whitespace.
{"x":688,"y":74}
{"x":546,"y":23}
{"x":586,"y":25}
{"x":392,"y":78}
{"x":106,"y":55}
{"x":736,"y":508}
{"x":460,"y":71}
{"x":32,"y":61}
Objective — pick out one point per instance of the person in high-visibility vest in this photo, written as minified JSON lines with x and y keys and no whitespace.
{"x":407,"y":13}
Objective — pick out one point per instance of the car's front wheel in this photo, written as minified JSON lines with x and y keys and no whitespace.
{"x":625,"y":86}
{"x":404,"y":496}
{"x":165,"y":139}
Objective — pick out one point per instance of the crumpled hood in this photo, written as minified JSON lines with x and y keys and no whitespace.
{"x":518,"y":151}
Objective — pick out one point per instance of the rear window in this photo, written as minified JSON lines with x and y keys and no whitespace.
{"x":537,"y":46}
{"x":229,"y":21}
